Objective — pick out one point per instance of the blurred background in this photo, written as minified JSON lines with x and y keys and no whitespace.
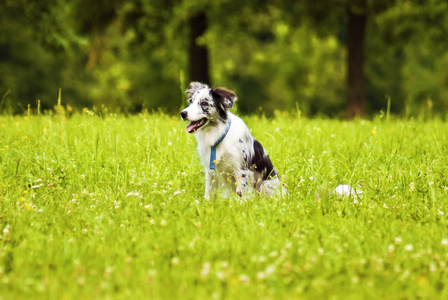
{"x":340,"y":58}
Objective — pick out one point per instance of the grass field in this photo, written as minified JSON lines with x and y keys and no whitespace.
{"x":111,"y":207}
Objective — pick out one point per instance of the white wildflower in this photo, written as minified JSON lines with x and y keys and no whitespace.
{"x":175,"y":261}
{"x":244,"y":279}
{"x":409,"y":247}
{"x":270,"y":270}
{"x":133,"y":194}
{"x":205,"y":270}
{"x":432,"y":267}
{"x":261,"y":275}
{"x":444,"y":242}
{"x":6,"y":230}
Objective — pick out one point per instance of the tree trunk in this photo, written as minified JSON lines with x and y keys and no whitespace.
{"x":198,"y":53}
{"x":356,"y":91}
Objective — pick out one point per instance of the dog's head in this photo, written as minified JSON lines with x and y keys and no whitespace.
{"x":207,"y":106}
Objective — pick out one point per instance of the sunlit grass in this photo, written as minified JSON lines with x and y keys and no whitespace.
{"x":111,"y":206}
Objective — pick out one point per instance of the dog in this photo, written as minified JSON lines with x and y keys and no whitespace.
{"x":231,"y":156}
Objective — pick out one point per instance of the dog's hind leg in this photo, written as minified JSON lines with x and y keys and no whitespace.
{"x":269,"y":187}
{"x":242,"y":182}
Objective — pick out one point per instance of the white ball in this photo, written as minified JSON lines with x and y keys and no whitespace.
{"x":346,"y":190}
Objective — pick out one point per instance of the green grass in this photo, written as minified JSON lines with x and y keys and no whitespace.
{"x":112,"y":207}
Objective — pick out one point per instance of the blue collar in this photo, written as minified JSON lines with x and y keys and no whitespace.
{"x":213,"y":149}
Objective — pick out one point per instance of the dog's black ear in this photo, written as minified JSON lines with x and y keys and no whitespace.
{"x":193,"y":87}
{"x":225,"y":96}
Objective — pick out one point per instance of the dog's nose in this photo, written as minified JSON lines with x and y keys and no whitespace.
{"x":184,"y":115}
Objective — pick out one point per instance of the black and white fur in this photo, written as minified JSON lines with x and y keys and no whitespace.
{"x":242,"y":162}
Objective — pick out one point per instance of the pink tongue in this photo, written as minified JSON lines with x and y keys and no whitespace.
{"x":193,"y":126}
{"x":190,"y":127}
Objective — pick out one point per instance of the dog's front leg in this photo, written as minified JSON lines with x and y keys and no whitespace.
{"x":208,"y":185}
{"x":211,"y":184}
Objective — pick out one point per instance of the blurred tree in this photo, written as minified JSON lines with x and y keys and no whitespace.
{"x":329,"y":19}
{"x":277,"y":55}
{"x":410,"y":17}
{"x":424,"y":27}
{"x":37,"y":54}
{"x":198,"y":55}
{"x":356,"y":91}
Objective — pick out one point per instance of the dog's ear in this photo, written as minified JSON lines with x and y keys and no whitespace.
{"x":225,"y":96}
{"x":193,"y":87}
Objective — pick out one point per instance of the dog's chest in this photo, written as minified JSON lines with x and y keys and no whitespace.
{"x":225,"y":156}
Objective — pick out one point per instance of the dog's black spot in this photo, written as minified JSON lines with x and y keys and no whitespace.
{"x":261,"y":163}
{"x":241,"y":141}
{"x":205,"y":109}
{"x":245,"y":163}
{"x":222,"y":112}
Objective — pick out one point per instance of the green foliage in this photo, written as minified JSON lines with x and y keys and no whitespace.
{"x":127,"y":55}
{"x":267,"y":74}
{"x":111,"y":206}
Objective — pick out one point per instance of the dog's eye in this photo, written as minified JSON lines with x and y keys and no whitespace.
{"x":190,"y":100}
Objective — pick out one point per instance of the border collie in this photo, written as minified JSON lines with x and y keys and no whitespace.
{"x":231,"y":156}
